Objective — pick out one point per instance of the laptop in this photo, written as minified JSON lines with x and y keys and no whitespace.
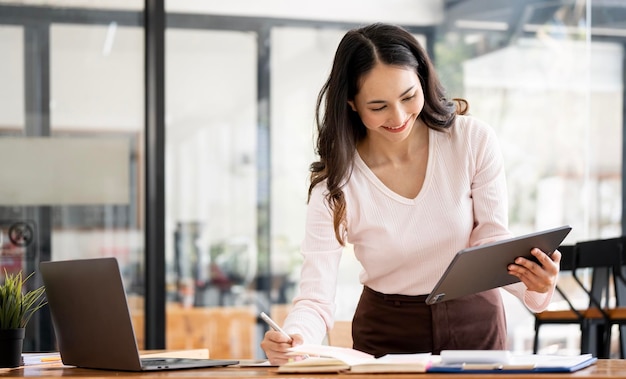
{"x":92,"y":322}
{"x":480,"y":268}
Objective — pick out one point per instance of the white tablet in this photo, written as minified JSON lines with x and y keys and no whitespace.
{"x":484,"y":267}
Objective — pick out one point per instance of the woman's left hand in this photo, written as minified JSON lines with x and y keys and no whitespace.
{"x":537,"y":277}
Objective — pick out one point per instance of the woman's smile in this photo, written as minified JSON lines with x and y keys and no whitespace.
{"x":397,"y":129}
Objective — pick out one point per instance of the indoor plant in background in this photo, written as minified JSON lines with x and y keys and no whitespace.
{"x":17,"y":306}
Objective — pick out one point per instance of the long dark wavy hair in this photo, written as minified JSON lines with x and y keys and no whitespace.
{"x":339,"y":129}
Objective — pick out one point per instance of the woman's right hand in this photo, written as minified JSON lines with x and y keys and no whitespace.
{"x":275,"y":345}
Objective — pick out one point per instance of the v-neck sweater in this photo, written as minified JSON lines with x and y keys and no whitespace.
{"x":405,"y":244}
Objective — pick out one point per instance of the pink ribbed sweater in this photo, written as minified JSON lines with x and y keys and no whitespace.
{"x":404,"y":245}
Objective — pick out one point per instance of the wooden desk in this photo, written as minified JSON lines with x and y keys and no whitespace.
{"x":604,"y":368}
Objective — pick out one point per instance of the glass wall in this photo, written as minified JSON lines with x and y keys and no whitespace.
{"x":96,"y":97}
{"x":211,"y":186}
{"x":71,"y":121}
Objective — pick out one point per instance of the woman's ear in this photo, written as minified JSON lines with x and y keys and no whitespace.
{"x":351,"y":103}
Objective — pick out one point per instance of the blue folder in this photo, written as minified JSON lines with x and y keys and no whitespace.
{"x":543,"y":367}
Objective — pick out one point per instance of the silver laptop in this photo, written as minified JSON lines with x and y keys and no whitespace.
{"x":92,"y":322}
{"x":480,"y":268}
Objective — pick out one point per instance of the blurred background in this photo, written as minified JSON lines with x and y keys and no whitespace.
{"x":234,"y":139}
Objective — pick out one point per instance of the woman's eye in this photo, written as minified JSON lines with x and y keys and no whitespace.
{"x":378,"y":109}
{"x":409,"y":98}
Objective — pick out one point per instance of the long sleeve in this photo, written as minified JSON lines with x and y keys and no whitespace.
{"x":314,"y":306}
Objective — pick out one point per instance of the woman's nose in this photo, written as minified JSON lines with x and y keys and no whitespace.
{"x":396,"y":118}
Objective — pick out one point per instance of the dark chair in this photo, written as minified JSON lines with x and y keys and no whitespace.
{"x":604,"y":258}
{"x":608,"y":257}
{"x":570,"y":315}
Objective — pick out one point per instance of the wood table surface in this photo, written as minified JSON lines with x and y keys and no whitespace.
{"x":604,"y":368}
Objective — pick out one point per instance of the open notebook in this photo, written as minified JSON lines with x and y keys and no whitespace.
{"x":343,"y":359}
{"x":92,"y":322}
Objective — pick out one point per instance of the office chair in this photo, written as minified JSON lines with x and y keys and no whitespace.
{"x":607,"y":255}
{"x":604,"y":257}
{"x":570,"y":315}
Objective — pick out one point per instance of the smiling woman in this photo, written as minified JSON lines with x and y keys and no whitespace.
{"x":409,"y":180}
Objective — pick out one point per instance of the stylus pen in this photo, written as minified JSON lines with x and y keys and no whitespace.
{"x":275,"y":326}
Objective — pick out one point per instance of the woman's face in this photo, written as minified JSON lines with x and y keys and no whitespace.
{"x":389,"y":100}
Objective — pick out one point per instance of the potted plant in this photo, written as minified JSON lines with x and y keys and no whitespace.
{"x":17,"y":306}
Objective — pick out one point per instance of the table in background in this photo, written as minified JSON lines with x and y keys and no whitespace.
{"x":604,"y":368}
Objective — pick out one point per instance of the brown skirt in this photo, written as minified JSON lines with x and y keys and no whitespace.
{"x":384,"y":324}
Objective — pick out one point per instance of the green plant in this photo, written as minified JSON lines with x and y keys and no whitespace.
{"x":17,"y":306}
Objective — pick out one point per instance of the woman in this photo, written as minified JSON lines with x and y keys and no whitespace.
{"x":409,"y":179}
